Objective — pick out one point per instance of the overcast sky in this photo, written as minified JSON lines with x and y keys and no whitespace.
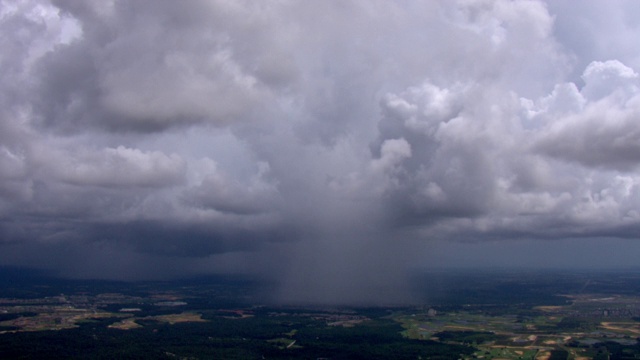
{"x":331,"y":145}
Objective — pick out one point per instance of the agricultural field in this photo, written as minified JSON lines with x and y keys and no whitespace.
{"x":560,"y":334}
{"x":495,"y":315}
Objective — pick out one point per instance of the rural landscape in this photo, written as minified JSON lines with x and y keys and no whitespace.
{"x":320,"y":179}
{"x":461,"y":315}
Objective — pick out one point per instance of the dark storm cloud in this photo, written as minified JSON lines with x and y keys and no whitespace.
{"x":325,"y":143}
{"x":145,"y":66}
{"x":219,"y":193}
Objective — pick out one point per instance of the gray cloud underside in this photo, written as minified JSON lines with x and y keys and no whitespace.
{"x":288,"y":130}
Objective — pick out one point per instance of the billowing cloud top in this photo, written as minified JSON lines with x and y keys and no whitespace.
{"x":322,"y":142}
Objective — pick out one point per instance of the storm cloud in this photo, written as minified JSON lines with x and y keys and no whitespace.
{"x":327,"y":145}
